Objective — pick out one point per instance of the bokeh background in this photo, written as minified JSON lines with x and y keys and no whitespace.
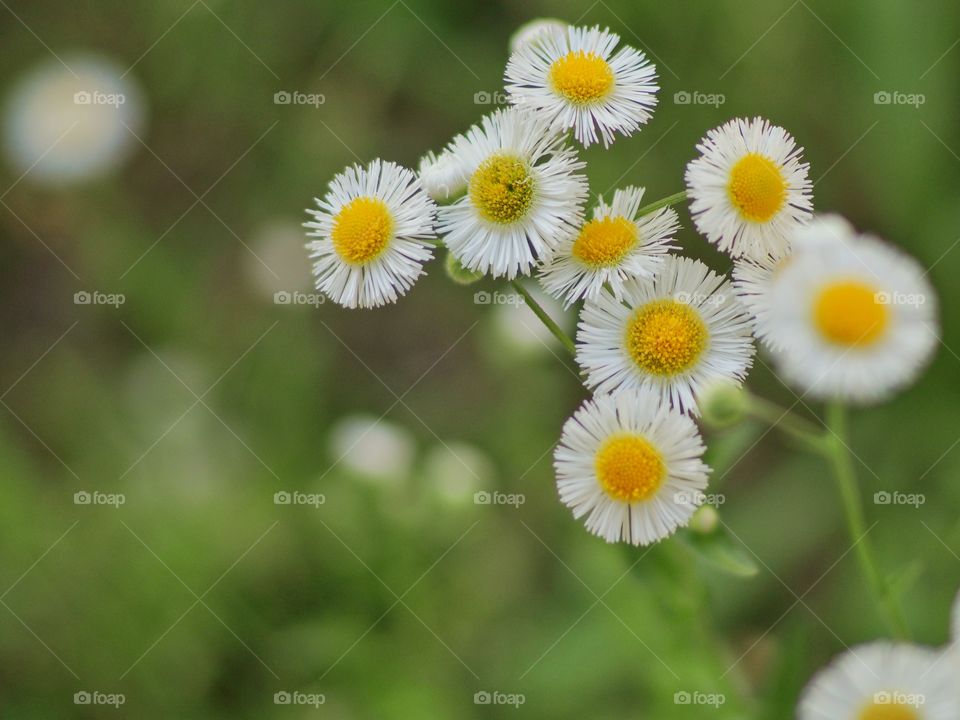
{"x":198,"y":396}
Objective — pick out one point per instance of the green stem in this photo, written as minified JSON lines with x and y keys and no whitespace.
{"x":790,"y":423}
{"x":662,"y":203}
{"x":558,"y":332}
{"x":838,"y":452}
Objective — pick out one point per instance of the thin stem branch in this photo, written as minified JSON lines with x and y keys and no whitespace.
{"x":662,"y":203}
{"x":844,"y":471}
{"x":788,"y":422}
{"x":558,"y":332}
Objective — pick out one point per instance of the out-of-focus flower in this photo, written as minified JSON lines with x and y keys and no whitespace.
{"x":66,"y":122}
{"x":376,"y":449}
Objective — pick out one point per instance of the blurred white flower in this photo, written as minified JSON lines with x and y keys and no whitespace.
{"x":518,"y":328}
{"x":376,"y":449}
{"x":65,"y":122}
{"x":535,"y":31}
{"x":455,"y":471}
{"x":276,"y":264}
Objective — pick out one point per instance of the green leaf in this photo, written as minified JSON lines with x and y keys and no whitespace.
{"x":721,"y":551}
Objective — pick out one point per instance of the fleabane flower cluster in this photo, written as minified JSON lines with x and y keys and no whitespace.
{"x":844,"y":315}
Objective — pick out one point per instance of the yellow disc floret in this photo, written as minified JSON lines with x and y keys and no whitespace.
{"x":362,"y":230}
{"x":581,"y":77}
{"x":850,"y":313}
{"x":666,"y":337}
{"x":757,"y":188}
{"x":605,"y":242}
{"x":629,"y":468}
{"x":502,"y":188}
{"x":888,"y":711}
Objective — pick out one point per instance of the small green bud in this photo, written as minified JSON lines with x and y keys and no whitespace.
{"x":705,"y":520}
{"x":723,"y":404}
{"x":458,"y":273}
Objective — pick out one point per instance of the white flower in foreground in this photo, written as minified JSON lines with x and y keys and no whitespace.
{"x":524,"y":194}
{"x":578,"y":81}
{"x":70,"y":123}
{"x":753,"y":278}
{"x":614,"y":246}
{"x":535,"y":31}
{"x":370,"y":230}
{"x":442,"y":176}
{"x":632,"y":466}
{"x":854,"y":320}
{"x":883,"y":681}
{"x":748,"y":189}
{"x":675,"y":334}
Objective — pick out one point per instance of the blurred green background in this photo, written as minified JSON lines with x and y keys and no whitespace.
{"x":200,"y":397}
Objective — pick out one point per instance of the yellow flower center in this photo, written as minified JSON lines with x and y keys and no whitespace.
{"x":629,"y":468}
{"x":605,"y":242}
{"x":581,"y":77}
{"x":850,"y":313}
{"x":666,"y":337}
{"x":362,"y":230}
{"x":757,"y":188}
{"x":502,"y":189}
{"x":888,"y":711}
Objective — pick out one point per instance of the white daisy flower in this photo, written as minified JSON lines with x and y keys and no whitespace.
{"x":632,"y":466}
{"x":442,"y":176}
{"x":753,"y":278}
{"x":675,"y":334}
{"x":854,"y":320}
{"x":370,"y":230}
{"x":535,"y":31}
{"x":576,"y":80}
{"x":748,"y":188}
{"x":883,"y":681}
{"x":613,"y":247}
{"x":524,"y":194}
